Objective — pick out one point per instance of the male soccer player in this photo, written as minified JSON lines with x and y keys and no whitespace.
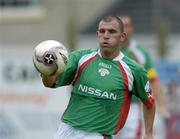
{"x":103,"y":82}
{"x":132,"y":128}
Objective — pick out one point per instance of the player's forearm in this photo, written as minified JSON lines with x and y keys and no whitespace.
{"x":49,"y":81}
{"x":149,"y":119}
{"x":159,"y":95}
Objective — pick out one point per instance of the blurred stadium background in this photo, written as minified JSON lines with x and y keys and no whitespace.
{"x":30,"y":111}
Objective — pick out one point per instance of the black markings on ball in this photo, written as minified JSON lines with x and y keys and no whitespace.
{"x":49,"y":58}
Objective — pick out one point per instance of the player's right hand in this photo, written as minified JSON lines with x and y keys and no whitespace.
{"x":49,"y":81}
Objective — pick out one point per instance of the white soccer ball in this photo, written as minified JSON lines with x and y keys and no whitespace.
{"x":50,"y":57}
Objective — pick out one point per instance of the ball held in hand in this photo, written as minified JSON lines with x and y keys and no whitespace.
{"x":50,"y":57}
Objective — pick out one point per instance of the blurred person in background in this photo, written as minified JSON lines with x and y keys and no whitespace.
{"x":133,"y":127}
{"x":103,"y":82}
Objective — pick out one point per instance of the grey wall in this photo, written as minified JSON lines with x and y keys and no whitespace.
{"x":25,"y":29}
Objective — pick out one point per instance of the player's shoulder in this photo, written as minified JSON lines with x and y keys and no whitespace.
{"x":83,"y":51}
{"x":142,"y":49}
{"x":137,"y":46}
{"x":133,"y":65}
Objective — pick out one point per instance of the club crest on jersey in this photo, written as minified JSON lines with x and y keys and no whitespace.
{"x":103,"y":72}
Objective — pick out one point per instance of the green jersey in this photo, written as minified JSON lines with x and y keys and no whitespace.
{"x":141,"y":56}
{"x":102,"y":90}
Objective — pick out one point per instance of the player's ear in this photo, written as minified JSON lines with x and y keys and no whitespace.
{"x":123,"y":36}
{"x":97,"y":33}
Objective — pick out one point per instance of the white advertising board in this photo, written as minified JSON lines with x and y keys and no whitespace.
{"x":28,"y":110}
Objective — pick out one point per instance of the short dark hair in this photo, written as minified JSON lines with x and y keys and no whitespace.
{"x":109,"y":18}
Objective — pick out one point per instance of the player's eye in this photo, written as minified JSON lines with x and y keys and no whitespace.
{"x":101,"y":31}
{"x":112,"y":31}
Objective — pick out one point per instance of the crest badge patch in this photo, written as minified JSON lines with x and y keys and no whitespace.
{"x":103,"y":71}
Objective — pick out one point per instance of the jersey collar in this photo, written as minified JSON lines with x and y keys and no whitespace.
{"x":117,"y":58}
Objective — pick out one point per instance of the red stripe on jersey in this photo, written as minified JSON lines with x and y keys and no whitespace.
{"x":150,"y":101}
{"x":81,"y":68}
{"x":126,"y":102}
{"x":104,"y":137}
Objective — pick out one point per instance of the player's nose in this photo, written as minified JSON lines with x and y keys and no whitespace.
{"x":106,"y":34}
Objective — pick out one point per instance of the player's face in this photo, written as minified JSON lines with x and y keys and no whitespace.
{"x":110,"y":36}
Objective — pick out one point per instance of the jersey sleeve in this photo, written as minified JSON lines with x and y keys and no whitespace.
{"x":151,"y":71}
{"x":142,"y":88}
{"x":68,"y":75}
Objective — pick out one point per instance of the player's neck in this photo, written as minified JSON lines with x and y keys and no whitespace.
{"x":109,"y":55}
{"x":127,"y":42}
